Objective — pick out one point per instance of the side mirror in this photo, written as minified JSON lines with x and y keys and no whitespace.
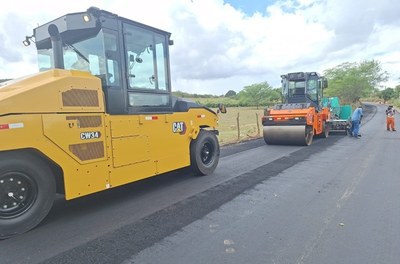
{"x":222,"y":108}
{"x":324,"y":83}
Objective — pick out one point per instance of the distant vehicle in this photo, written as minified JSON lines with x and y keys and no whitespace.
{"x":340,"y":120}
{"x":100,"y":114}
{"x":301,"y":115}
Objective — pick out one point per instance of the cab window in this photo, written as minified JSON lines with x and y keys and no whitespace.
{"x":146,"y":69}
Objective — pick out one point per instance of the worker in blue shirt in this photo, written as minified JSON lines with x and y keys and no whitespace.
{"x":356,"y":121}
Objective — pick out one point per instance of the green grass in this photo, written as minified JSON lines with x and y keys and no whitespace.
{"x":228,"y":125}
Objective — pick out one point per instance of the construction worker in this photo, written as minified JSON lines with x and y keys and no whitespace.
{"x":356,"y":121}
{"x":390,"y":118}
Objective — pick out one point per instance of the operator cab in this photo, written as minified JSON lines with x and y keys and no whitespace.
{"x":303,"y":87}
{"x":130,"y":58}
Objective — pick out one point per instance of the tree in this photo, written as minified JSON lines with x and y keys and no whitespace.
{"x":387,"y":94}
{"x":276,"y":95}
{"x":230,"y":93}
{"x":257,"y":94}
{"x":397,"y":91}
{"x":351,"y":81}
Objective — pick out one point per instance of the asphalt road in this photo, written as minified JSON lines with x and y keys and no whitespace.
{"x":336,"y":201}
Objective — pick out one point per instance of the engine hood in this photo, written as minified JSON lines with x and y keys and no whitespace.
{"x":56,"y":90}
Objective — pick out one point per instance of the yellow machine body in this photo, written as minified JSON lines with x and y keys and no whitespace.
{"x":60,"y":114}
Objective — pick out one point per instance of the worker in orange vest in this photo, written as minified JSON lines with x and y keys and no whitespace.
{"x":390,"y":118}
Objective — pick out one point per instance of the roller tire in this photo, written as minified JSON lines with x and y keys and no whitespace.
{"x":27,"y":193}
{"x":325,"y":130}
{"x":204,"y":153}
{"x":309,"y":135}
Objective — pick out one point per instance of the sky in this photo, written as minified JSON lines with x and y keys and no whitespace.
{"x":222,"y":45}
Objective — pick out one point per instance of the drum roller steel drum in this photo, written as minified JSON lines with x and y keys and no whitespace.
{"x":288,"y":135}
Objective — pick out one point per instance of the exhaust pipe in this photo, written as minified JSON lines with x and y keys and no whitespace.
{"x":56,"y":43}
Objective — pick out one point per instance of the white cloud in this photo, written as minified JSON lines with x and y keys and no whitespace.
{"x":219,"y":48}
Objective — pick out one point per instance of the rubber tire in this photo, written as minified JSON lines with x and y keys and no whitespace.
{"x":348,"y":129}
{"x":205,"y":139}
{"x":40,"y":174}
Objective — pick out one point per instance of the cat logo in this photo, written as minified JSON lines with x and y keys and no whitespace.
{"x":90,"y":135}
{"x":179,"y":127}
